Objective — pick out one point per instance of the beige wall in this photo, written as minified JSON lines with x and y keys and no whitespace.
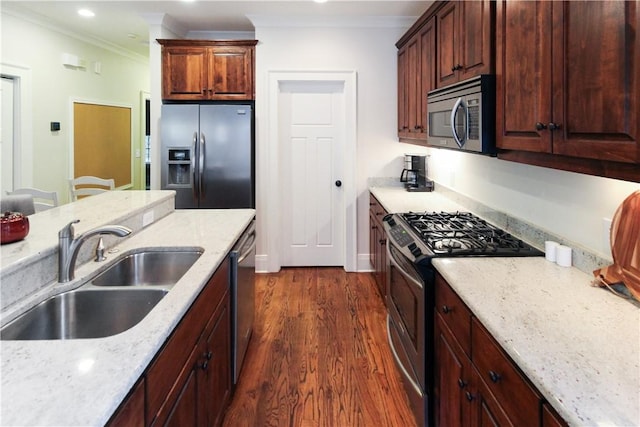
{"x":36,"y":49}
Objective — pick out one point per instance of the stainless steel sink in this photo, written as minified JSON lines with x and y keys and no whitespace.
{"x":149,"y":267}
{"x":91,"y":313}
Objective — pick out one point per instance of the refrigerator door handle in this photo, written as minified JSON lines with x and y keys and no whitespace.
{"x":201,"y":164}
{"x":194,"y":189}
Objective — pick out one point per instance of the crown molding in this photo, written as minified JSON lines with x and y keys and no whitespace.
{"x":39,"y":20}
{"x":332,"y":21}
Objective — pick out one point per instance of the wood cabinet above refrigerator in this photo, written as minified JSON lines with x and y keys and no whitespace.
{"x":201,"y":70}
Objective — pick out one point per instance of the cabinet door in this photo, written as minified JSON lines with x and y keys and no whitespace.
{"x":476,"y":38}
{"x":523,"y":75}
{"x":486,"y":411}
{"x":414,"y":85}
{"x":448,"y":34}
{"x":427,"y":76}
{"x":184,"y":73}
{"x":181,"y":406}
{"x":403,"y":92}
{"x":216,"y":366}
{"x":231,"y":73}
{"x":596,"y":80}
{"x":452,"y":382}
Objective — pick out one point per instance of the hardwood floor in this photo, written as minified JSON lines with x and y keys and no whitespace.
{"x":319,"y":355}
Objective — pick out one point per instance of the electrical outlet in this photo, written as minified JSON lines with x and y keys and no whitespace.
{"x":147,"y":218}
{"x":606,"y":233}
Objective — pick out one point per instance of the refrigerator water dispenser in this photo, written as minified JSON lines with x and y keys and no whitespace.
{"x":179,"y":168}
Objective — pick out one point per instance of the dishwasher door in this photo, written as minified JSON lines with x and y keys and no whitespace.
{"x":242,"y":296}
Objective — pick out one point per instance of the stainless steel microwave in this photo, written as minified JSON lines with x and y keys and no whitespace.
{"x":462,"y":116}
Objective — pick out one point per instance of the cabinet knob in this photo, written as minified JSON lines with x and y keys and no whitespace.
{"x":494,"y":376}
{"x":456,"y":67}
{"x":461,"y":383}
{"x":204,"y":365}
{"x":554,"y":126}
{"x":540,"y":126}
{"x":383,"y":242}
{"x":446,"y":309}
{"x":374,"y":227}
{"x":209,"y":355}
{"x":469,"y":396}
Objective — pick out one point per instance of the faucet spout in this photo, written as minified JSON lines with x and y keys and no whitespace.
{"x":69,"y":246}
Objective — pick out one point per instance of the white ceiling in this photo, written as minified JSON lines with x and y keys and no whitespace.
{"x":124,"y":24}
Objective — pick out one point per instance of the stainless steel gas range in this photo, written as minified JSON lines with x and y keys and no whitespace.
{"x":414,"y":239}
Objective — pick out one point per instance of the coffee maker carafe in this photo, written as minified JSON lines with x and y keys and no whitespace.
{"x":414,"y":174}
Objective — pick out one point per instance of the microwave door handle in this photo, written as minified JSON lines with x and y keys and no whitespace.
{"x":454,"y":114}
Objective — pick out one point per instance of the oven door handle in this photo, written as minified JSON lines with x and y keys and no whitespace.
{"x":454,"y":113}
{"x":405,"y":374}
{"x":406,"y":274}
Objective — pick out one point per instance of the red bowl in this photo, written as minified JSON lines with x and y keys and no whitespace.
{"x":14,"y":226}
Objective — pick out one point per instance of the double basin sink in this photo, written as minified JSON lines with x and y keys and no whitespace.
{"x":112,"y":302}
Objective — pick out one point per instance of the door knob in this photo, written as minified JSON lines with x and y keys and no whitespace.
{"x":338,"y":183}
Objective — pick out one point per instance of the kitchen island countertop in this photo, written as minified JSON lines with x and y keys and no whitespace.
{"x":82,"y":382}
{"x":578,"y":344}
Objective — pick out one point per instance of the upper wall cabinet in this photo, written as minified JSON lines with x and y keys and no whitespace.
{"x":199,"y":70}
{"x":451,"y":41}
{"x":568,"y":84}
{"x":416,"y":62}
{"x":465,"y":40}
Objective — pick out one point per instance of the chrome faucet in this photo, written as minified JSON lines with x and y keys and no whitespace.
{"x":69,"y":246}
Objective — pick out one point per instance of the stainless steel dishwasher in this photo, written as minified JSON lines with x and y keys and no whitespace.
{"x":242,"y":296}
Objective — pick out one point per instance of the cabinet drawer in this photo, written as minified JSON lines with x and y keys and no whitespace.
{"x":454,"y":313}
{"x":520,"y":401}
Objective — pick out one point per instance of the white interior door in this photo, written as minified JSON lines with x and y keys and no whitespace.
{"x":6,"y":134}
{"x":312,"y":129}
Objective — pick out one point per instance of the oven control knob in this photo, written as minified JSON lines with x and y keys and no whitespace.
{"x":416,"y":252}
{"x":412,"y":246}
{"x":391,"y":221}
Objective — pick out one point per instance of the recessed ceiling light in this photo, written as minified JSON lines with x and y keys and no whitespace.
{"x":320,"y":1}
{"x":86,"y":13}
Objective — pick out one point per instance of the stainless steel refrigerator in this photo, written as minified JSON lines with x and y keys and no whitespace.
{"x":208,"y":155}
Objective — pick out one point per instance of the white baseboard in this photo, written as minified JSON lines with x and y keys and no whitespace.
{"x":262,"y":264}
{"x":364,"y":265}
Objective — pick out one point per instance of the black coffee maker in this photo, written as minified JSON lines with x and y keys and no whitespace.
{"x":414,"y":174}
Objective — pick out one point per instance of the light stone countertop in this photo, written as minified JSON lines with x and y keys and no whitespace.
{"x":579,"y":345}
{"x":82,"y":382}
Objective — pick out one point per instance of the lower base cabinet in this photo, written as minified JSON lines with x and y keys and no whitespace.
{"x":476,"y":383}
{"x":189,"y":381}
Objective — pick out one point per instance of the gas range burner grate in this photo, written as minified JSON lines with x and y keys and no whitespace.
{"x":463,"y":233}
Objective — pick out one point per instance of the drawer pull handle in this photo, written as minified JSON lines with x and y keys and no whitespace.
{"x":494,"y":376}
{"x":469,"y":396}
{"x":446,"y":309}
{"x":461,"y":383}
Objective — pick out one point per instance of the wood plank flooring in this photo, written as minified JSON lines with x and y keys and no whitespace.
{"x":319,"y":355}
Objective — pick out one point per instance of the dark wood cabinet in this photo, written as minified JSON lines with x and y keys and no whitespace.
{"x":189,"y":381}
{"x":476,"y":383}
{"x":416,"y":77}
{"x":550,"y":418}
{"x":199,"y":70}
{"x":465,"y":41}
{"x":378,"y":244}
{"x":131,"y":411}
{"x":452,"y":41}
{"x":568,"y":84}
